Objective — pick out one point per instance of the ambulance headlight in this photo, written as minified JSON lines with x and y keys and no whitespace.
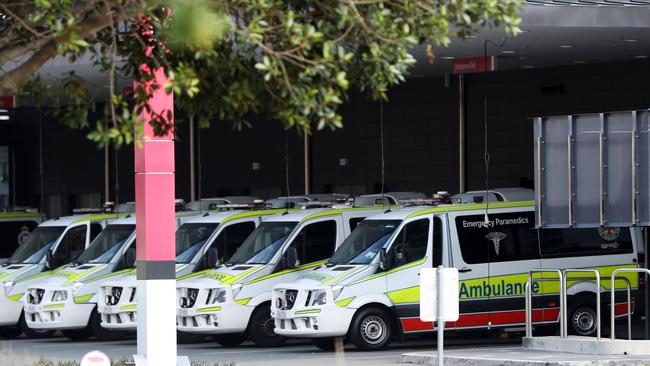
{"x":8,"y":286}
{"x":59,"y":296}
{"x":218,"y":295}
{"x":236,"y":289}
{"x":336,"y":291}
{"x":76,"y":286}
{"x":319,"y":296}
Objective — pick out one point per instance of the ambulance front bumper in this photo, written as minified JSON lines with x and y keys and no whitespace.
{"x":42,"y":311}
{"x":205,"y":315}
{"x":117,"y":306}
{"x":297,"y":315}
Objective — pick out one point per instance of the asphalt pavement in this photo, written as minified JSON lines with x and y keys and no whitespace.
{"x":24,"y":352}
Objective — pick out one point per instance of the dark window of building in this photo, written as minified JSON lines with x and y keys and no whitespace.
{"x":558,"y":243}
{"x":13,"y":233}
{"x":410,"y":244}
{"x":316,"y":241}
{"x":230,"y":238}
{"x":507,"y":237}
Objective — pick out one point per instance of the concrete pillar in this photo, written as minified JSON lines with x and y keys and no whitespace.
{"x":155,"y":227}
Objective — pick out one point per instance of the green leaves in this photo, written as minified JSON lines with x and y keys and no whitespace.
{"x":294,"y":61}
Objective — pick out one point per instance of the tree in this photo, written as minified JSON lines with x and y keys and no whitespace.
{"x":294,"y":60}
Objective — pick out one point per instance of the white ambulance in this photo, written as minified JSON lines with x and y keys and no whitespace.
{"x":65,"y":298}
{"x":368,"y":292}
{"x":232,"y":301}
{"x":201,"y":243}
{"x":52,"y":244}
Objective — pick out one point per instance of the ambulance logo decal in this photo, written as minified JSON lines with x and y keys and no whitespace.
{"x":495,"y":237}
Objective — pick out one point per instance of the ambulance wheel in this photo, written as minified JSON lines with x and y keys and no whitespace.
{"x":230,"y":340}
{"x":10,"y":332}
{"x":101,"y":333}
{"x":33,"y":333}
{"x":371,"y":329}
{"x":326,"y":344}
{"x":76,"y":334}
{"x":187,"y":338}
{"x":581,"y":318}
{"x":261,"y":329}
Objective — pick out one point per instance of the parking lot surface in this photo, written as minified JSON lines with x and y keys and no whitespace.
{"x":21,"y":352}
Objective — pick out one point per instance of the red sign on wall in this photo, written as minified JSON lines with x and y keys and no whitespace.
{"x":470,"y":65}
{"x":7,"y":102}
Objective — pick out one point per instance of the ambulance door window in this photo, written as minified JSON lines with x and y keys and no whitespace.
{"x":316,"y":241}
{"x":72,"y":245}
{"x":354,"y":222}
{"x":410,"y":245}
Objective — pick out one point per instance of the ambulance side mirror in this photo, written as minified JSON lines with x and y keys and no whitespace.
{"x":49,"y":259}
{"x":383,"y":259}
{"x":290,"y":258}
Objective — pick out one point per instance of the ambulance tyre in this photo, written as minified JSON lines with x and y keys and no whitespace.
{"x":187,"y":338}
{"x":370,"y":329}
{"x":261,"y":329}
{"x":10,"y":332}
{"x":33,"y":333}
{"x":581,"y":316}
{"x":101,"y":333}
{"x":76,"y":334}
{"x":325,"y":344}
{"x":230,"y":340}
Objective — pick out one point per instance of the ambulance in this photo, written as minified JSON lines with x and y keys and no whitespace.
{"x":66,"y":298}
{"x":368,"y":291}
{"x":201,"y":243}
{"x":232,"y":301}
{"x":52,"y":244}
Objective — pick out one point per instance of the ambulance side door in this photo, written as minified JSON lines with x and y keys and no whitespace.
{"x":409,"y":252}
{"x":470,"y":256}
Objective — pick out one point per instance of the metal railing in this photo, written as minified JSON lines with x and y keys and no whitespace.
{"x":564,"y":293}
{"x":529,"y":298}
{"x":629,"y":299}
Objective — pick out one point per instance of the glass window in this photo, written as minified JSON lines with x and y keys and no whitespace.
{"x":107,"y":244}
{"x":190,"y":238}
{"x":230,"y":238}
{"x":354,"y":222}
{"x":95,"y":229}
{"x":5,"y":177}
{"x":13,"y":234}
{"x":410,"y":244}
{"x":363,"y":244}
{"x":558,"y":243}
{"x":36,"y":245}
{"x":315,"y":241}
{"x":72,"y":245}
{"x":263,"y":243}
{"x":508,"y":237}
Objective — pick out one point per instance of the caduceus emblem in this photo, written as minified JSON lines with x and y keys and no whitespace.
{"x":495,"y":237}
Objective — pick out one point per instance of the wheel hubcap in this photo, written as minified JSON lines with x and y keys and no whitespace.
{"x":373,"y":329}
{"x":584,"y":321}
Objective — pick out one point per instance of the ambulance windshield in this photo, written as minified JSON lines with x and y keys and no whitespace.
{"x":190,"y":239}
{"x":364,"y":242}
{"x":36,"y":245}
{"x":260,"y":247}
{"x":106,"y":244}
